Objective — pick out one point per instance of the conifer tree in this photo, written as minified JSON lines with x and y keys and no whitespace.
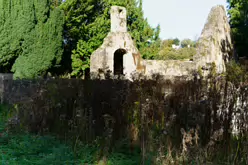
{"x":31,"y":34}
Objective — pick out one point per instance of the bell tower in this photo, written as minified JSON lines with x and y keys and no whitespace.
{"x":118,"y":19}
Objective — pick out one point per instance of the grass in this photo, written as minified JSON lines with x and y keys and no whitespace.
{"x":44,"y":150}
{"x":27,"y":149}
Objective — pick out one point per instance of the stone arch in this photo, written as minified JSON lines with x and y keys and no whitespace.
{"x":118,"y":61}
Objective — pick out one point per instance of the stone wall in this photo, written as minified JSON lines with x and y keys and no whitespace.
{"x":118,"y":43}
{"x":103,"y":57}
{"x":214,"y":46}
{"x":4,"y":79}
{"x":47,"y":101}
{"x":15,"y":91}
{"x":169,"y":68}
{"x":215,"y":43}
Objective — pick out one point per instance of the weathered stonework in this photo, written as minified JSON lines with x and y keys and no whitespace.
{"x":4,"y":77}
{"x":214,"y":46}
{"x":117,"y":45}
{"x":169,"y":68}
{"x":118,"y":19}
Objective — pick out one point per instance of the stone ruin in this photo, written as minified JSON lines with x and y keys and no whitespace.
{"x":119,"y":55}
{"x":215,"y":44}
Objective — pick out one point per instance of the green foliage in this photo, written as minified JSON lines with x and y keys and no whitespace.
{"x":151,"y":51}
{"x":28,"y":149}
{"x":200,"y":72}
{"x":168,"y":53}
{"x":187,"y":42}
{"x":176,"y":41}
{"x":235,"y":73}
{"x":213,"y":69}
{"x":31,"y":37}
{"x":55,"y":3}
{"x":238,"y":12}
{"x":167,"y":43}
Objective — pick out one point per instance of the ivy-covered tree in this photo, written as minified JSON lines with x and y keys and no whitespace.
{"x":88,"y":23}
{"x":31,"y":37}
{"x":238,"y":14}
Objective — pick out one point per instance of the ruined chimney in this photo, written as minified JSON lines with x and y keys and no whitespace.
{"x":118,"y":19}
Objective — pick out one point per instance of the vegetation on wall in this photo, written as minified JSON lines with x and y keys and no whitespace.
{"x":236,"y":73}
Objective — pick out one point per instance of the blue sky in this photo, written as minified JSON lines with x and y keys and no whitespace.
{"x":179,"y":18}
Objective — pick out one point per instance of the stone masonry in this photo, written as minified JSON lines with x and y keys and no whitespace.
{"x":119,"y":54}
{"x":215,"y":44}
{"x":116,"y":52}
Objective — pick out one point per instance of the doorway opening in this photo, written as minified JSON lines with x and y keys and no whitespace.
{"x":118,"y":61}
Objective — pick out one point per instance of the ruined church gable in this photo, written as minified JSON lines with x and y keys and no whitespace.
{"x":214,"y":46}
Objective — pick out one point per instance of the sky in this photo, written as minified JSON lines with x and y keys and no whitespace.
{"x":179,"y":18}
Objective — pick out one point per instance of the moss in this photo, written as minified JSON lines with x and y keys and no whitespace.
{"x":236,"y":73}
{"x":199,"y":70}
{"x":213,"y":69}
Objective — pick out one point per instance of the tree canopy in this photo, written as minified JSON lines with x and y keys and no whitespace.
{"x":31,"y":37}
{"x":238,"y":14}
{"x":167,"y":52}
{"x":187,"y":42}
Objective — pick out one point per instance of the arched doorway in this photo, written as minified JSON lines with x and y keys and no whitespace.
{"x":118,"y":61}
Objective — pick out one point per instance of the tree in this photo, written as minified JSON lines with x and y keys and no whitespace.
{"x":167,"y":43}
{"x":168,"y":53}
{"x":31,"y":37}
{"x":88,"y":23}
{"x":176,"y":41}
{"x":187,"y":42}
{"x":238,"y":18}
{"x":152,"y":48}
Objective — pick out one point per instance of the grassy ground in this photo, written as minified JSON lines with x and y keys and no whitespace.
{"x":27,"y":149}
